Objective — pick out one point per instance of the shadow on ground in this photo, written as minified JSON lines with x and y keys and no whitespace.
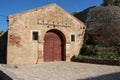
{"x":113,"y":76}
{"x":3,"y":76}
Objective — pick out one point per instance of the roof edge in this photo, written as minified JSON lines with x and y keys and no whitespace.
{"x":32,"y":9}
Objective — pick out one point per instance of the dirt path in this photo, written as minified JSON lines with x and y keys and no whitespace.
{"x":65,"y":71}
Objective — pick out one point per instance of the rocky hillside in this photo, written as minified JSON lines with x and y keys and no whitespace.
{"x":103,"y":25}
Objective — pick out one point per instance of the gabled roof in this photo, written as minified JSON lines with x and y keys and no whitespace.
{"x":43,"y":7}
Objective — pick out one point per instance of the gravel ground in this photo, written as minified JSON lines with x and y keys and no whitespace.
{"x":65,"y":71}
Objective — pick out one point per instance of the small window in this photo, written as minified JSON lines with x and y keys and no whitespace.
{"x":72,"y":37}
{"x":34,"y":35}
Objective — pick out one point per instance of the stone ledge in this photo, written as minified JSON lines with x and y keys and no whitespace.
{"x":7,"y":75}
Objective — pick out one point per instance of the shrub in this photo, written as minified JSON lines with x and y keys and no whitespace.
{"x":99,"y":52}
{"x":89,"y":49}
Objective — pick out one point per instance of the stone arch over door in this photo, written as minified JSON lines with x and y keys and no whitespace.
{"x":54,"y":46}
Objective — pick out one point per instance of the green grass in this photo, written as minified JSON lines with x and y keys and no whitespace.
{"x":114,"y":56}
{"x":99,"y":52}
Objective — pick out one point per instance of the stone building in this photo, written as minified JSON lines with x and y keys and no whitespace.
{"x":43,"y":34}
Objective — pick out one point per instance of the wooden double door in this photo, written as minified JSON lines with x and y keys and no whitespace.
{"x":52,"y":47}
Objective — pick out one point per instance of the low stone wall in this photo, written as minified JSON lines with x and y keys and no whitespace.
{"x":6,"y":74}
{"x":98,"y":61}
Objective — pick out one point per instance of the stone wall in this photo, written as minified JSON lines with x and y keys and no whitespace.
{"x":23,"y":50}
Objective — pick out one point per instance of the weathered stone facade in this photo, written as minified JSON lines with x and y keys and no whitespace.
{"x":22,"y":49}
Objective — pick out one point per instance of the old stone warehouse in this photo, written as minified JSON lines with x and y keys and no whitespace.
{"x":43,"y":34}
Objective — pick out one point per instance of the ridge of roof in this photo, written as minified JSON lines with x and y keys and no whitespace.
{"x":30,"y":10}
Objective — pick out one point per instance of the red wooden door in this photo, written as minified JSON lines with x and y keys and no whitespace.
{"x":52,"y":47}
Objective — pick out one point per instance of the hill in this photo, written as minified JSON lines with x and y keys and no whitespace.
{"x":103,"y":25}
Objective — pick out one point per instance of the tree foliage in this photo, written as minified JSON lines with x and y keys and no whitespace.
{"x":111,"y":3}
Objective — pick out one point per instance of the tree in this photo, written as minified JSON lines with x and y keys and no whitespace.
{"x":111,"y":3}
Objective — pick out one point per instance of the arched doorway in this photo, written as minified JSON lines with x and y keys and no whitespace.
{"x":54,"y":46}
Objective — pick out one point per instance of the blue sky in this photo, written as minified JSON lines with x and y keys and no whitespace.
{"x":8,"y":7}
